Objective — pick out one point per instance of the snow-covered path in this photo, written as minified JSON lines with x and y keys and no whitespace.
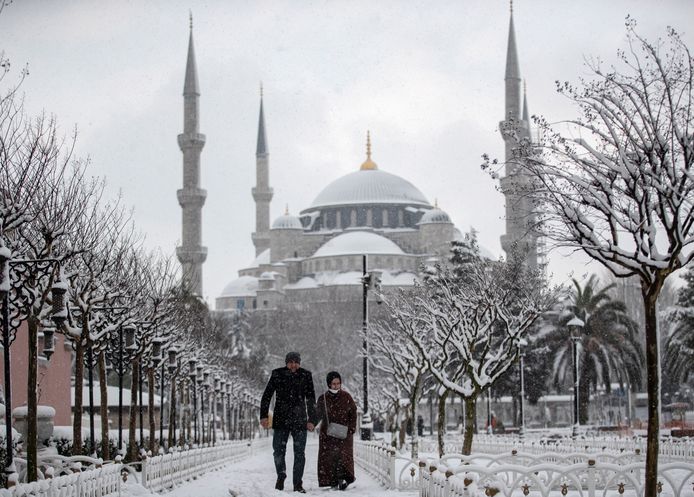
{"x":255,"y":477}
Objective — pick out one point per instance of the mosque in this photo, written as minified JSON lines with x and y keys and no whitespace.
{"x":317,"y":256}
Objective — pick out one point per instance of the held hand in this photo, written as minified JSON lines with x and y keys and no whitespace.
{"x":264,"y":423}
{"x":310,"y":426}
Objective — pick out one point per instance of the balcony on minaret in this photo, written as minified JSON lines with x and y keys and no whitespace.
{"x":191,"y":141}
{"x":191,"y":197}
{"x":262,"y":195}
{"x":191,"y":255}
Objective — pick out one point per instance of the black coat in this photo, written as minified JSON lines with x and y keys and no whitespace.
{"x":295,"y":399}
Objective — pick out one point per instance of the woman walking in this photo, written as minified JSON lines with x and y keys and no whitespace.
{"x":337,"y":413}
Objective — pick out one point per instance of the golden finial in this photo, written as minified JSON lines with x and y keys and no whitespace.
{"x":525,"y":86}
{"x":190,"y":16}
{"x":511,"y":2}
{"x":261,"y":89}
{"x":436,"y":203}
{"x":286,"y":209}
{"x":368,"y":164}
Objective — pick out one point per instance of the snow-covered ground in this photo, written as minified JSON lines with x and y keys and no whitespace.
{"x":255,"y":477}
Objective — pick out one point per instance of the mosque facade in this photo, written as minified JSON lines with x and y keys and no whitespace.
{"x":318,"y":254}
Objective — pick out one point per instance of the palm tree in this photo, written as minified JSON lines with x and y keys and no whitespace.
{"x":679,"y":349}
{"x":609,"y":349}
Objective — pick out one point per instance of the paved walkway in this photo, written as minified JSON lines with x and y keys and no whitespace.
{"x":255,"y":477}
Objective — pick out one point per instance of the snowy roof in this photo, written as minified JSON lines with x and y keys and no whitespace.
{"x":305,"y":282}
{"x":434,"y":216}
{"x":358,"y":242}
{"x":243,"y":286}
{"x":112,"y":393}
{"x":334,"y":278}
{"x":263,"y":258}
{"x":287,"y":222}
{"x":371,"y":186}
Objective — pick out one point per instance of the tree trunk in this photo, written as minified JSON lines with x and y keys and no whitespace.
{"x":172,"y":409}
{"x":583,"y":397}
{"x":413,"y":416}
{"x":441,"y":421}
{"x":650,"y":297}
{"x":470,"y":416}
{"x":152,"y":387}
{"x":103,"y":407}
{"x":32,"y":402}
{"x":79,"y":389}
{"x":132,"y":422}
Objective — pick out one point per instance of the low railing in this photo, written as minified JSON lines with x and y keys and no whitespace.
{"x":671,"y":449}
{"x":154,"y":473}
{"x":454,"y":475}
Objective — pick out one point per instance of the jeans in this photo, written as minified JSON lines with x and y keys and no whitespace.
{"x":279,"y":447}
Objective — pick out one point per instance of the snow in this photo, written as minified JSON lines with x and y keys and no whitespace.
{"x":41,"y":411}
{"x":369,"y":187}
{"x":358,"y":242}
{"x":243,"y":286}
{"x":112,"y":393}
{"x":255,"y":477}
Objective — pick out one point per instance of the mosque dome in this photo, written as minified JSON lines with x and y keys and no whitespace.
{"x":369,"y":185}
{"x":243,"y":286}
{"x":435,"y":216}
{"x":357,"y":242}
{"x":287,"y":222}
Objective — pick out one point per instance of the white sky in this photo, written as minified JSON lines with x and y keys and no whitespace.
{"x":425,"y":77}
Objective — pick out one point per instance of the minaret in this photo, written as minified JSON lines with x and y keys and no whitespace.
{"x":191,"y":197}
{"x":520,"y":218}
{"x":262,"y":193}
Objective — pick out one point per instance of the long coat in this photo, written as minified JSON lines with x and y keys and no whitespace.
{"x":335,"y":456}
{"x":294,"y":402}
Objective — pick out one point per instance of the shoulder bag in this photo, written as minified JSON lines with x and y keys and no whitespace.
{"x":335,"y":430}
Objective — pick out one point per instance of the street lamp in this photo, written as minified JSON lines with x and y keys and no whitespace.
{"x":521,"y":354}
{"x":173,"y":365}
{"x":575,"y":329}
{"x":192,"y":373}
{"x":370,"y":281}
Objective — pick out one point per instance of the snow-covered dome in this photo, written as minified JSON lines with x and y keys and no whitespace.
{"x":262,"y":258}
{"x":357,"y":242}
{"x":369,"y":186}
{"x":287,"y":222}
{"x":243,"y":286}
{"x":434,"y":216}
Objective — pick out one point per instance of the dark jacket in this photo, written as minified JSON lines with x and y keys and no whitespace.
{"x":294,"y":396}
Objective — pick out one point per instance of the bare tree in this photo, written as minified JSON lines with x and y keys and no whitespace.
{"x":621,"y":187}
{"x":399,"y":359}
{"x":468,"y":329}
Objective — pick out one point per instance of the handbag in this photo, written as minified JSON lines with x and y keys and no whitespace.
{"x":335,"y":430}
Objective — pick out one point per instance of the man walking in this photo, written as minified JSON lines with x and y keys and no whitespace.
{"x":294,"y":413}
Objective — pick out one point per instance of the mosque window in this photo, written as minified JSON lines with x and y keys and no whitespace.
{"x":353,"y":218}
{"x":401,"y":218}
{"x":369,"y":217}
{"x":240,"y":304}
{"x":338,"y":219}
{"x":385,"y":218}
{"x":255,"y":303}
{"x":264,"y":303}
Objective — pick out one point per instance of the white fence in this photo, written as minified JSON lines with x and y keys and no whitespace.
{"x":671,"y":449}
{"x":515,"y":473}
{"x":156,"y":473}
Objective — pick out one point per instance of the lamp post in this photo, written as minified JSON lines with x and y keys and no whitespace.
{"x":370,"y":281}
{"x":205,"y":396}
{"x":222,"y":406}
{"x":192,"y":363}
{"x":173,"y":365}
{"x":215,"y":393}
{"x":151,"y":384}
{"x":521,"y":355}
{"x":575,"y":328}
{"x":13,"y":274}
{"x":228,"y":410}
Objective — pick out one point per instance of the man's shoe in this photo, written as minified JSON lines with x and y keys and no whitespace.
{"x":280,"y":481}
{"x":299,"y":488}
{"x":343,"y":485}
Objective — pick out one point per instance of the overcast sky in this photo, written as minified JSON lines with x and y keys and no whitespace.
{"x":426,"y":77}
